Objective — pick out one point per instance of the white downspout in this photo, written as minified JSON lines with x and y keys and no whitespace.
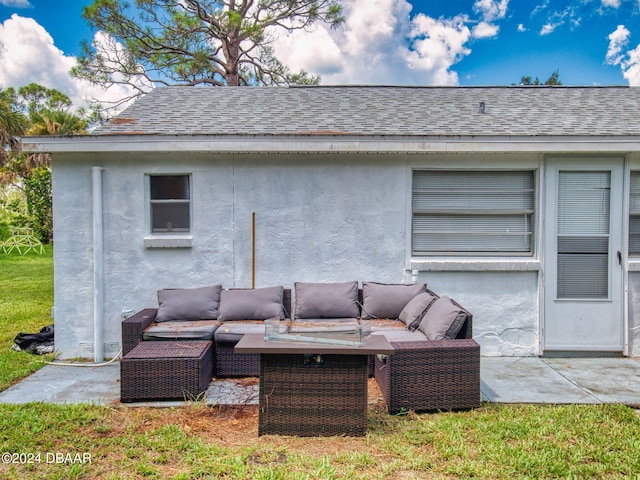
{"x":98,"y":265}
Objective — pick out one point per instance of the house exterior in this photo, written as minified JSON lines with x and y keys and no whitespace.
{"x":522,"y":203}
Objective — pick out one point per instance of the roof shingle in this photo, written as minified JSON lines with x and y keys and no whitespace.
{"x":382,"y":110}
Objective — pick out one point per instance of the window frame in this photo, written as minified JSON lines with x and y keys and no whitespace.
{"x":529,"y":214}
{"x":633,"y":213}
{"x":150,"y":202}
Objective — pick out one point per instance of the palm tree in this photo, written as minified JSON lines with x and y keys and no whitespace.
{"x":56,"y":122}
{"x":13,"y":124}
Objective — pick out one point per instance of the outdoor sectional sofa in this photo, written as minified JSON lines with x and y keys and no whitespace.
{"x":435,"y":365}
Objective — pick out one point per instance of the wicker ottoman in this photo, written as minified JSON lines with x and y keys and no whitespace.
{"x":166,"y":370}
{"x":431,"y":375}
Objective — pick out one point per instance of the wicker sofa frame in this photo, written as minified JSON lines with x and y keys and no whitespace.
{"x":426,"y":375}
{"x":226,"y":364}
{"x":421,"y":375}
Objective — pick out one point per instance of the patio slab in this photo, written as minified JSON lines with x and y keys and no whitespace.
{"x":502,"y":380}
{"x":63,"y":384}
{"x":610,"y":380}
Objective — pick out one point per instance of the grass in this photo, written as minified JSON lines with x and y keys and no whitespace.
{"x":199,"y":441}
{"x":26,"y":298}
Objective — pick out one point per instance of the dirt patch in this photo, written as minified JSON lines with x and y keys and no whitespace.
{"x":227,"y":425}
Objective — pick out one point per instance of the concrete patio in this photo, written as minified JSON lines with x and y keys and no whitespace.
{"x":503,"y":380}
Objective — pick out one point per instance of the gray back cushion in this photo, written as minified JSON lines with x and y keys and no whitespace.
{"x":326,"y":300}
{"x":417,"y":307}
{"x":443,"y":320}
{"x":188,"y":303}
{"x":255,"y":304}
{"x":387,"y":301}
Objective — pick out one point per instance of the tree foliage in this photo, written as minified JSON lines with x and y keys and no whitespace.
{"x":50,"y":112}
{"x":554,"y":79}
{"x":42,"y":111}
{"x":38,"y":193}
{"x":193,"y":42}
{"x":33,"y":110}
{"x":13,"y":124}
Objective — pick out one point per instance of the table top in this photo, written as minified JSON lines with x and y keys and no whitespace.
{"x":255,"y":343}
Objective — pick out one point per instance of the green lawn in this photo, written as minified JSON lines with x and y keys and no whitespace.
{"x":26,"y":298}
{"x":43,"y":441}
{"x":198,"y":441}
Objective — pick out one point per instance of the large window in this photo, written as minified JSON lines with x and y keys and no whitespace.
{"x":170,"y":203}
{"x":473,"y":212}
{"x":634,"y":215}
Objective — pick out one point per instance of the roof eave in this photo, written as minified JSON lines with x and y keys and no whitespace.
{"x":329,"y":143}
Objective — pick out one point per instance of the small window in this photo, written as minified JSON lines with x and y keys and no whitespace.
{"x":634,"y":215}
{"x":472,"y":212}
{"x":170,"y":202}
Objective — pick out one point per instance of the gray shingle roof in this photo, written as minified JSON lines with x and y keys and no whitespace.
{"x":380,"y":110}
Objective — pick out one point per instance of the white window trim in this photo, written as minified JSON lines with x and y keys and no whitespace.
{"x":483,"y":260}
{"x":631,"y":213}
{"x":166,"y":239}
{"x":465,"y":264}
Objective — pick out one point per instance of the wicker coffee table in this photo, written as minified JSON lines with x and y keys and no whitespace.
{"x":312,"y":389}
{"x":164,"y":370}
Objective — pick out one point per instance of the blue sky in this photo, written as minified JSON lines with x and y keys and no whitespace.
{"x":458,"y":42}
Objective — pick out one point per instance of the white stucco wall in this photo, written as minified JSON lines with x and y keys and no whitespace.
{"x":634,"y":314}
{"x":504,"y":307}
{"x":318,"y":218}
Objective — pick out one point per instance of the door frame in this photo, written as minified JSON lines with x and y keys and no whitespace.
{"x":548,"y":227}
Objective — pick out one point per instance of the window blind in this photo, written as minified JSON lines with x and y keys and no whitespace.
{"x":634,"y":214}
{"x":583,"y":234}
{"x":472,"y":212}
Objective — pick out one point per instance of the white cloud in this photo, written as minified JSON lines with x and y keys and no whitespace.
{"x":485,"y":30}
{"x":15,"y":3}
{"x":491,"y":10}
{"x":380,"y":43}
{"x":570,"y":15}
{"x":317,"y":47}
{"x":631,"y":67}
{"x":438,"y":46}
{"x":629,"y":60}
{"x":611,"y":3}
{"x":28,"y":54}
{"x":521,"y":28}
{"x":618,"y":40}
{"x":548,"y":28}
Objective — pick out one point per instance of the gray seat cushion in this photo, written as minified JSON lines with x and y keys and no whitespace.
{"x":401,"y":335}
{"x":181,"y":330}
{"x":383,"y":324}
{"x":232,"y":332}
